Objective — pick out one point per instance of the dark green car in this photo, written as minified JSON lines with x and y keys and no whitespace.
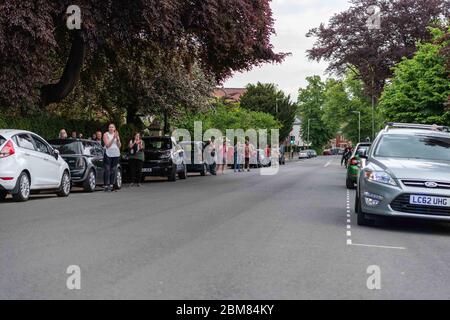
{"x":354,"y":164}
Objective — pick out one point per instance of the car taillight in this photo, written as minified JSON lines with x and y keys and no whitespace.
{"x":7,"y":150}
{"x":354,"y":162}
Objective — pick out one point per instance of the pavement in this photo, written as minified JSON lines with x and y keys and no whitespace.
{"x":237,"y":236}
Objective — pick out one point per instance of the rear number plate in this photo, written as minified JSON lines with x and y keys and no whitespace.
{"x":429,"y":201}
{"x":147,"y":170}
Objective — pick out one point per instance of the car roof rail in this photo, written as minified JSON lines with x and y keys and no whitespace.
{"x":432,"y":127}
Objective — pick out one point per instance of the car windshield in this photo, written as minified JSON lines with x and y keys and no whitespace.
{"x":362,"y":149}
{"x":67,"y":146}
{"x":158,"y":144}
{"x":2,"y":140}
{"x":427,"y":147}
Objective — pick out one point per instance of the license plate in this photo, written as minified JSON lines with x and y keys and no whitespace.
{"x":429,"y":201}
{"x":146,"y":170}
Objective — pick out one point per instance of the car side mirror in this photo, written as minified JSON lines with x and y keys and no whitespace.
{"x":56,"y":154}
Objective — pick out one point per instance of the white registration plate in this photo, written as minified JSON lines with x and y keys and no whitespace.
{"x":147,"y":170}
{"x":429,"y":201}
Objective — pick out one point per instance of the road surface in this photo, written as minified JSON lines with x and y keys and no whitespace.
{"x":237,"y":236}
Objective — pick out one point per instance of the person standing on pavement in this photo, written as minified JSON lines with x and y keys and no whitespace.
{"x":211,"y":156}
{"x":223,"y":154}
{"x":238,"y":157}
{"x":136,"y":159}
{"x":111,"y":140}
{"x":248,"y":151}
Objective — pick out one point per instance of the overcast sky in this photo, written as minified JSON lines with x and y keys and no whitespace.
{"x":293,"y":19}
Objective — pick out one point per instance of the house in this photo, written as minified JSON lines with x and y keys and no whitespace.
{"x":232,"y":94}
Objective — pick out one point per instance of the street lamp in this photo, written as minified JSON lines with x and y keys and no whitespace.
{"x":359,"y":124}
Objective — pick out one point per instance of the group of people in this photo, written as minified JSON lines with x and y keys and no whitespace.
{"x":242,"y":153}
{"x":97,"y":136}
{"x":111,"y":142}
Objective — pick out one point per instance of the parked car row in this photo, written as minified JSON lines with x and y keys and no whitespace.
{"x":307,"y":154}
{"x":29,"y":164}
{"x":404,"y":173}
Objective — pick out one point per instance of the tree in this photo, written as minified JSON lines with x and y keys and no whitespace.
{"x":311,"y":102}
{"x":420,"y":87}
{"x":347,"y":42}
{"x":224,"y":116}
{"x":345,"y":101}
{"x":219,"y":36}
{"x":265,"y":97}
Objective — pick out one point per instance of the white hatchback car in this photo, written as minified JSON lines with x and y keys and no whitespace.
{"x":29,"y":164}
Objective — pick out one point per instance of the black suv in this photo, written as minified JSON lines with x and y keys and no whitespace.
{"x":85,"y":159}
{"x":164,"y":157}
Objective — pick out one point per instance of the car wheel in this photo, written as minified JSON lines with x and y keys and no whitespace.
{"x":173,"y":174}
{"x":90,"y":183}
{"x":119,"y":180}
{"x":23,"y":188}
{"x":350,"y":184}
{"x":203,"y":172}
{"x":3,"y":195}
{"x":66,"y":185}
{"x":362,"y":219}
{"x":183,"y":174}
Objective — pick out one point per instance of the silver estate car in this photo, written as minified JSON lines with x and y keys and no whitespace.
{"x":407,"y":174}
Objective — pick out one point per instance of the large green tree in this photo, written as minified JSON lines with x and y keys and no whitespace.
{"x":345,"y":104}
{"x":265,"y":97}
{"x":348,"y":40}
{"x":311,"y":106}
{"x":420,"y":88}
{"x":226,"y":115}
{"x":41,"y":60}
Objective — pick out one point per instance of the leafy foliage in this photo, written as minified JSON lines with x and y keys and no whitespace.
{"x":223,"y":116}
{"x":125,"y":41}
{"x":348,"y":42}
{"x":420,"y":87}
{"x":311,"y":101}
{"x":268,"y":99}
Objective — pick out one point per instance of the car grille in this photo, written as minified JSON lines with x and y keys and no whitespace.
{"x":421,"y":184}
{"x":401,"y":204}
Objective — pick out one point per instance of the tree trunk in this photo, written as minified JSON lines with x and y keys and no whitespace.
{"x":166,"y":123}
{"x":56,"y":92}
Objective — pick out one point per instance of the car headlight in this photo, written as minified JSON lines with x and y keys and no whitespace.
{"x":380,"y":177}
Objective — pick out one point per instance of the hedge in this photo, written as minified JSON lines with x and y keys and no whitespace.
{"x":48,"y":126}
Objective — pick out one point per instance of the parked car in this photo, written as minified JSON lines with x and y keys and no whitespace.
{"x":407,"y":174}
{"x":28,"y":164}
{"x":193,"y":151}
{"x":303,"y":154}
{"x":259,"y":159}
{"x":355,"y":163}
{"x":86,"y":161}
{"x":164,"y":157}
{"x":327,"y":152}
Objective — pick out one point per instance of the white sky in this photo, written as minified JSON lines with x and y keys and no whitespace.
{"x":293,"y":19}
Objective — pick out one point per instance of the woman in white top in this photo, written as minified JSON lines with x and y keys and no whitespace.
{"x":111,"y":141}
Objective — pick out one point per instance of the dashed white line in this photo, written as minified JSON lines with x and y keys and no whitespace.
{"x":376,"y":246}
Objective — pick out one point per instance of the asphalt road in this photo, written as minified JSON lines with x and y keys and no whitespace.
{"x":237,"y":236}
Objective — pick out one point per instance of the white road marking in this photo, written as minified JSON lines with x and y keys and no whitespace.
{"x":349,"y":233}
{"x":328,"y":163}
{"x":377,"y":246}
